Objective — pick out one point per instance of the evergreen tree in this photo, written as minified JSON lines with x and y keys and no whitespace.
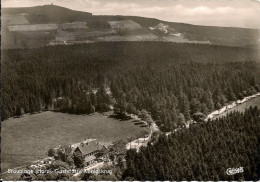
{"x":184,"y":106}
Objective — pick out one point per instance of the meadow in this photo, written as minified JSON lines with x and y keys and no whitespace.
{"x":28,"y":138}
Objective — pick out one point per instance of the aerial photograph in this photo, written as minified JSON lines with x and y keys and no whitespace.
{"x":130,"y":90}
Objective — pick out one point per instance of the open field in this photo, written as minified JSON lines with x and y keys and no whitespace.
{"x":35,"y":27}
{"x":125,"y":25}
{"x":18,"y":19}
{"x":149,"y":37}
{"x":253,"y":102}
{"x":28,"y":138}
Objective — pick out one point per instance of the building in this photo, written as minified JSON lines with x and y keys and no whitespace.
{"x":88,"y":149}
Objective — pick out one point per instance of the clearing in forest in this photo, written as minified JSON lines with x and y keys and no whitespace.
{"x":28,"y":138}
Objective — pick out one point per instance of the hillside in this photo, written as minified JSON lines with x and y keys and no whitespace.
{"x":51,"y":25}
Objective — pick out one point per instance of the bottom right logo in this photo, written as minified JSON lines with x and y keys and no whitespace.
{"x":232,"y":171}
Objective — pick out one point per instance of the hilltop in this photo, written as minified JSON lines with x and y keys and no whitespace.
{"x":46,"y":14}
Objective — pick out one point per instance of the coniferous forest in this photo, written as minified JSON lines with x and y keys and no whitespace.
{"x":171,"y":81}
{"x":203,"y":152}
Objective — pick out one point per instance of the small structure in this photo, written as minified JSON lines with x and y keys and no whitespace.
{"x":88,"y":149}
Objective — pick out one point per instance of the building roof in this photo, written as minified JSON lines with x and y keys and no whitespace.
{"x":88,"y":147}
{"x":75,"y":145}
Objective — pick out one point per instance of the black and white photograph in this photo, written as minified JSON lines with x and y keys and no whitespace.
{"x":130,"y":90}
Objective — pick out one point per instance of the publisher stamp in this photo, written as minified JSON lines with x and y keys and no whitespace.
{"x":233,"y":171}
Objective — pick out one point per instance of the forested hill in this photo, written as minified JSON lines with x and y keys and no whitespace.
{"x":202,"y":152}
{"x":46,"y":14}
{"x":54,"y":25}
{"x":172,"y":81}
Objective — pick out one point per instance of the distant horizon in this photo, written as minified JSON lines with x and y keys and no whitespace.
{"x":135,"y":15}
{"x":225,"y":13}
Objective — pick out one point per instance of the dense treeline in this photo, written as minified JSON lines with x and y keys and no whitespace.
{"x":202,"y":152}
{"x":172,"y":81}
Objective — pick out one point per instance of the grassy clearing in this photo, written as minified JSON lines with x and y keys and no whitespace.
{"x":253,"y":102}
{"x":28,"y":138}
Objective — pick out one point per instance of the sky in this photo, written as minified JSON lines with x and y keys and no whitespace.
{"x":226,"y":13}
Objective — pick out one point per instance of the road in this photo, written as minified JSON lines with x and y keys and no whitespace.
{"x":239,"y":105}
{"x":136,"y":144}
